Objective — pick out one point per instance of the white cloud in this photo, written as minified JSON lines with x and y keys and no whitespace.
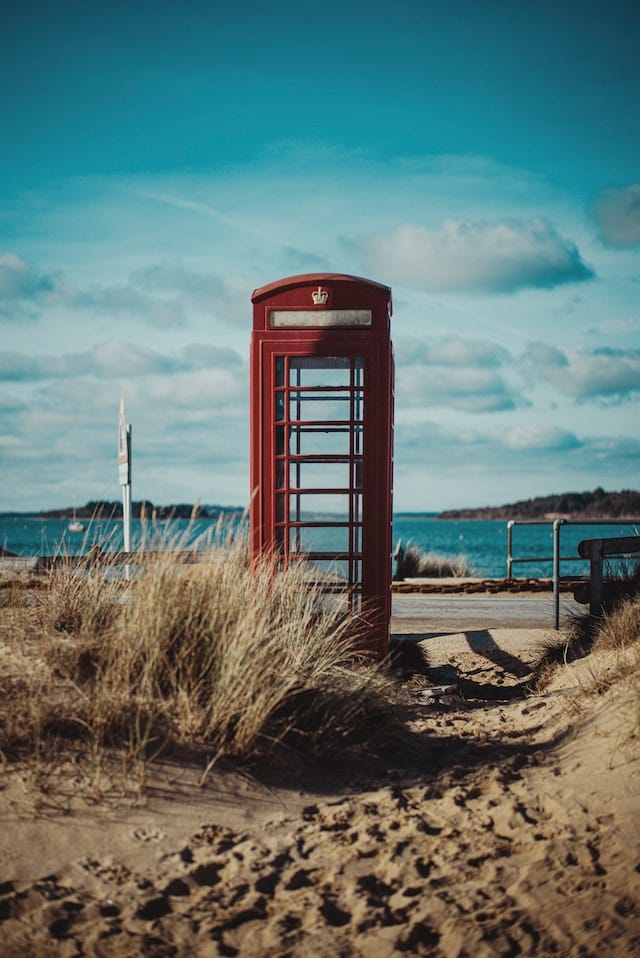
{"x":18,"y":280}
{"x":453,"y":351}
{"x":498,"y":257}
{"x":175,"y":278}
{"x":127,"y":301}
{"x":161,"y":295}
{"x":575,"y":460}
{"x":431,"y":444}
{"x":206,"y":356}
{"x":583,"y":373}
{"x":221,"y":296}
{"x":454,"y":373}
{"x":117,"y":360}
{"x":213,"y":391}
{"x":10,"y":403}
{"x":542,"y":355}
{"x":465,"y":389}
{"x":617,"y":214}
{"x":540,"y":438}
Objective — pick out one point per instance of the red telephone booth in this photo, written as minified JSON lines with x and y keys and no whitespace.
{"x":322,"y":437}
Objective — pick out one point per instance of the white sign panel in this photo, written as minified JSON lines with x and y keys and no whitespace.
{"x":279,"y":318}
{"x":124,"y":451}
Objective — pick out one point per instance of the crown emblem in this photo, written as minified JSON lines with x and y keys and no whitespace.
{"x":320,"y":296}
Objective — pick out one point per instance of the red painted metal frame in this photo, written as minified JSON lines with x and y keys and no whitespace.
{"x":372,"y":345}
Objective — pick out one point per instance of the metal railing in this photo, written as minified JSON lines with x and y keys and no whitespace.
{"x":556,"y":558}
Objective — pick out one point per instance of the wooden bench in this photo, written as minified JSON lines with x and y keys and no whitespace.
{"x":596,"y":550}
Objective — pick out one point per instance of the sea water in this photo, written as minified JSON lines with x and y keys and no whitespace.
{"x":483,"y":543}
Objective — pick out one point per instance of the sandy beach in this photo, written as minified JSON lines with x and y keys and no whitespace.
{"x":503,"y":825}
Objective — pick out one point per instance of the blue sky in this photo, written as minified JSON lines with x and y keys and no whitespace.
{"x":159,"y":161}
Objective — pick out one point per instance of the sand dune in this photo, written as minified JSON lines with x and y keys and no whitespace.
{"x":505,"y":827}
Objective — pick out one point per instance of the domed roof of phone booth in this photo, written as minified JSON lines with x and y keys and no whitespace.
{"x":309,"y":279}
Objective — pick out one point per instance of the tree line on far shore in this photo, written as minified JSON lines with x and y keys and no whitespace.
{"x":575,"y":505}
{"x":141,"y":509}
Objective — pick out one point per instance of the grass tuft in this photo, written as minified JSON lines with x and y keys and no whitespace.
{"x":615,"y":630}
{"x":620,"y":628}
{"x":213,"y":656}
{"x":413,"y":562}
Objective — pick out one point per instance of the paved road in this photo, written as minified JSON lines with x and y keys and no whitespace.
{"x":419,"y":612}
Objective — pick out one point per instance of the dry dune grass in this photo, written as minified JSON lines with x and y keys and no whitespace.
{"x":621,"y":628}
{"x":413,"y":562}
{"x":617,"y":640}
{"x":212,"y":656}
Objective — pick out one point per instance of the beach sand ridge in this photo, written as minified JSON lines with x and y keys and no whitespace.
{"x":509,"y":827}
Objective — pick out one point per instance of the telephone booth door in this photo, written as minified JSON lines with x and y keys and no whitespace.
{"x":321,"y":438}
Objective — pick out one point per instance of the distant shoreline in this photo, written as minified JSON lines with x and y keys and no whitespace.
{"x":485,"y":516}
{"x":141,"y":509}
{"x":598,"y":505}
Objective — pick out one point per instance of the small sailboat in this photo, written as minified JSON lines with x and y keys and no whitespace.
{"x":76,"y":525}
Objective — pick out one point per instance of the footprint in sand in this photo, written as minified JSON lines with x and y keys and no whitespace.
{"x":143,"y":834}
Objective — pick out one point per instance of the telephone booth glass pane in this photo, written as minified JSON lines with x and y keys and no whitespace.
{"x":320,"y":441}
{"x":319,"y":507}
{"x":311,"y":473}
{"x":319,"y":540}
{"x":319,"y":414}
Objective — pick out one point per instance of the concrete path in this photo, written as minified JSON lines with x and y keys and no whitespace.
{"x":415,"y":612}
